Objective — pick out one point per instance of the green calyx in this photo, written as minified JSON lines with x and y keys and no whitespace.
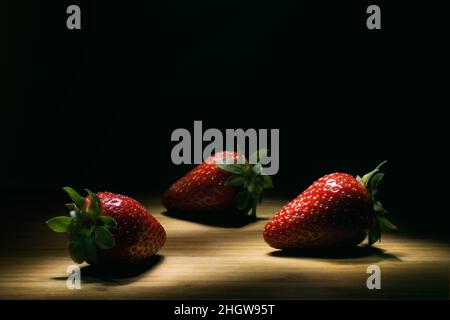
{"x":249,"y":179}
{"x":87,"y":227}
{"x":372,"y":182}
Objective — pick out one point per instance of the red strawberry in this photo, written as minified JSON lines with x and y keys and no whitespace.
{"x":220,"y":183}
{"x":118,"y":225}
{"x":335,"y":211}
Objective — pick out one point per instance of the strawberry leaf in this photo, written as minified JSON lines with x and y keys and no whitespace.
{"x":385,"y":223}
{"x":90,"y":249}
{"x":251,"y":187}
{"x":257,"y":169}
{"x":266,"y":182}
{"x":104,"y":238}
{"x":236,"y":181}
{"x":95,"y":208}
{"x":367,"y":177}
{"x":76,"y":249}
{"x":249,"y":180}
{"x":375,"y":183}
{"x":87,"y":227}
{"x":378,"y":207}
{"x":78,"y":200}
{"x":107,"y":221}
{"x":242,"y":200}
{"x":372,"y":182}
{"x":59,"y":224}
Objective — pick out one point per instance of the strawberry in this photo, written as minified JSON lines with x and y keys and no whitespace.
{"x":123,"y":230}
{"x":224,"y":181}
{"x":335,"y":211}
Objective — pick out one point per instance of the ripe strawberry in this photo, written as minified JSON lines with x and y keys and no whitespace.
{"x":224,"y":181}
{"x":118,"y":225}
{"x":335,"y":211}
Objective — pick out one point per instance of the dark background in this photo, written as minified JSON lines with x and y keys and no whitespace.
{"x":95,"y":108}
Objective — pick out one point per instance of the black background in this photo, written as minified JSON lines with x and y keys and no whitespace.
{"x":283,"y":309}
{"x":96,"y":107}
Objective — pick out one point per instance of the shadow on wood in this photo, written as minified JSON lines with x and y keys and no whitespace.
{"x":224,"y":219}
{"x":361,"y":253}
{"x":118,"y":274}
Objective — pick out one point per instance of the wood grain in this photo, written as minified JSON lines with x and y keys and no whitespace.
{"x":204,"y":261}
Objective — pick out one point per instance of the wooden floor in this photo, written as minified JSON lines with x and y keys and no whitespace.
{"x":204,"y":261}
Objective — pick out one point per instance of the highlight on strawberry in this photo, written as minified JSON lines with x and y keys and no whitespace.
{"x":109,"y":228}
{"x":221,"y":183}
{"x":338,"y":210}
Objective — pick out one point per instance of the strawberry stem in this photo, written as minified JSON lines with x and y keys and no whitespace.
{"x":87,"y":227}
{"x":250,"y":181}
{"x":372,"y":182}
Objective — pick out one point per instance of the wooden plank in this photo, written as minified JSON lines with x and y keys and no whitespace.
{"x":204,"y":261}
